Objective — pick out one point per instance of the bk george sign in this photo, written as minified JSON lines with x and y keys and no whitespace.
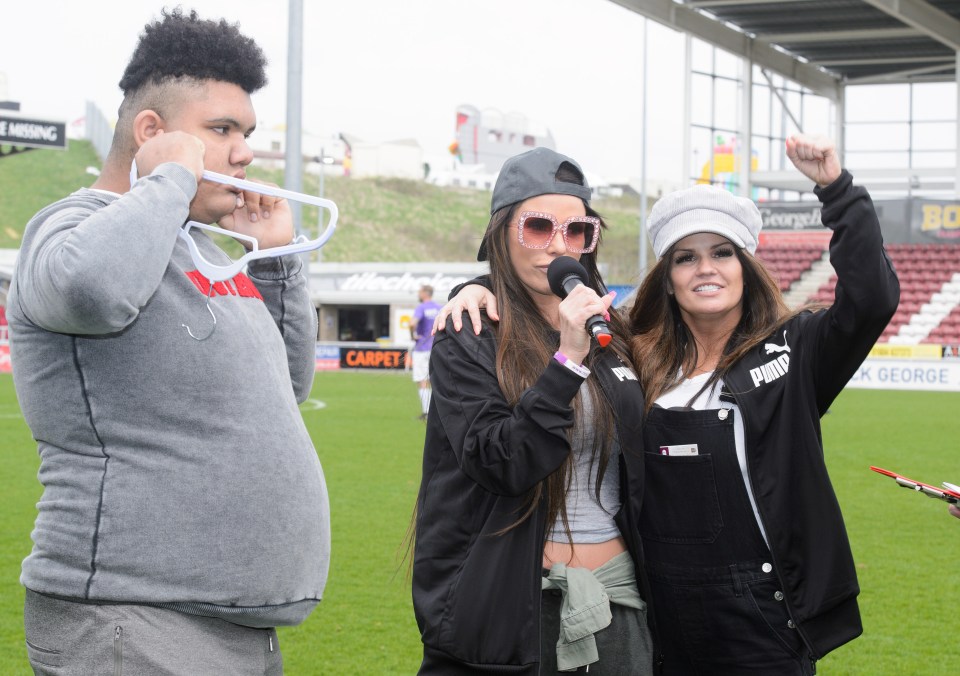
{"x":942,"y":219}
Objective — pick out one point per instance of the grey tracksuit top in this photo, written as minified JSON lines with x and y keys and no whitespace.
{"x":176,"y":472}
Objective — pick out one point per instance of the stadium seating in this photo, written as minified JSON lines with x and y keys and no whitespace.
{"x":929,"y":309}
{"x":929,"y":294}
{"x":788,"y":262}
{"x":948,"y":331}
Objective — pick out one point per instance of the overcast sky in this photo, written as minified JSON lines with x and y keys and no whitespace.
{"x":385,"y":70}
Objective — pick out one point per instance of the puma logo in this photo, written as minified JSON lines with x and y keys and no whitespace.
{"x":767,"y":373}
{"x":773,"y":347}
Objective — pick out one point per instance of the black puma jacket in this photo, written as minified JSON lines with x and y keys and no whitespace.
{"x":783,"y":387}
{"x":476,"y":591}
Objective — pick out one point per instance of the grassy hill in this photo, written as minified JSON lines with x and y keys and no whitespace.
{"x":381,"y":219}
{"x":32,"y":179}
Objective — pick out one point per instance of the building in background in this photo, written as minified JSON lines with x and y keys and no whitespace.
{"x":343,"y":154}
{"x":391,"y":159}
{"x":483,"y":141}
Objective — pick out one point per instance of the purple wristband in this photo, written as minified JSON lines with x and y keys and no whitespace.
{"x":579,"y":369}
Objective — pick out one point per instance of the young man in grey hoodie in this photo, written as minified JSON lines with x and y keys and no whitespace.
{"x":184,"y":512}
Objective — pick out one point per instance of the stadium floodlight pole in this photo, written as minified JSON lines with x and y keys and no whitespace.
{"x":642,"y":272}
{"x":320,"y":193}
{"x":293,"y":159}
{"x":323,"y":161}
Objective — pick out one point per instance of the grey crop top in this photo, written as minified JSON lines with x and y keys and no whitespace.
{"x":589,"y":521}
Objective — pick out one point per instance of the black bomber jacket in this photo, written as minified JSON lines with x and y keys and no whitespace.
{"x":476,"y":592}
{"x":782,"y":388}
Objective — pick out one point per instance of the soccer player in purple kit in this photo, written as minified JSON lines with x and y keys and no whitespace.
{"x":421,"y":331}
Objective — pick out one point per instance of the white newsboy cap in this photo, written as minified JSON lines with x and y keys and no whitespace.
{"x":703,"y":208}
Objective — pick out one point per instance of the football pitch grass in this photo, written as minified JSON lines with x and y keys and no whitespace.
{"x":369,"y":441}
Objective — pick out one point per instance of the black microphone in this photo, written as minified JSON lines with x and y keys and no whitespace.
{"x":564,"y":274}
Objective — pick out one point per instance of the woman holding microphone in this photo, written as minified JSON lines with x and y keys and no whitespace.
{"x":527,"y":551}
{"x":745,"y":548}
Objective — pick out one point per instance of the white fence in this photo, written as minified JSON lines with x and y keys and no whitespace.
{"x":98,"y":130}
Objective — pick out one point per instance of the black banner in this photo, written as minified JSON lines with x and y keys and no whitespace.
{"x":18,"y":131}
{"x":372,"y":358}
{"x":792,"y":216}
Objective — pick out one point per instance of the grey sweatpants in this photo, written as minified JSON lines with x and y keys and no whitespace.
{"x":65,"y":638}
{"x":625,"y":647}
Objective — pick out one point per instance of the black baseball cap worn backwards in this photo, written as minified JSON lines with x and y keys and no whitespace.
{"x":530,"y":174}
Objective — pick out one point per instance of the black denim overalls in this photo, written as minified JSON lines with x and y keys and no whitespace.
{"x":716,"y":597}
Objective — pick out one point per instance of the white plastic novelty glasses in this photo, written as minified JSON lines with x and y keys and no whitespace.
{"x":219,"y":273}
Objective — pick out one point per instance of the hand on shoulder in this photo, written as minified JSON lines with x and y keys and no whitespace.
{"x":471,"y":299}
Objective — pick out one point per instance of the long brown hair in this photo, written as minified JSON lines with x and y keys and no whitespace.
{"x":526,"y":342}
{"x":663,"y":347}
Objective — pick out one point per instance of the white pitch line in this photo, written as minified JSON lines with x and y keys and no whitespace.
{"x":312,"y":405}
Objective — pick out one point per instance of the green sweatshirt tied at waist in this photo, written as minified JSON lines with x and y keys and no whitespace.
{"x":585,"y":608}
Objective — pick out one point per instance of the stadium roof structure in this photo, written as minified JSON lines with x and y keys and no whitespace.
{"x":825,"y":45}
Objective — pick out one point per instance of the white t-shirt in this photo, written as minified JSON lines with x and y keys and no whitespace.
{"x":710,"y":399}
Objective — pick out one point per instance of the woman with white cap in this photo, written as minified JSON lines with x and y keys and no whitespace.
{"x":745,"y":545}
{"x":527,"y":550}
